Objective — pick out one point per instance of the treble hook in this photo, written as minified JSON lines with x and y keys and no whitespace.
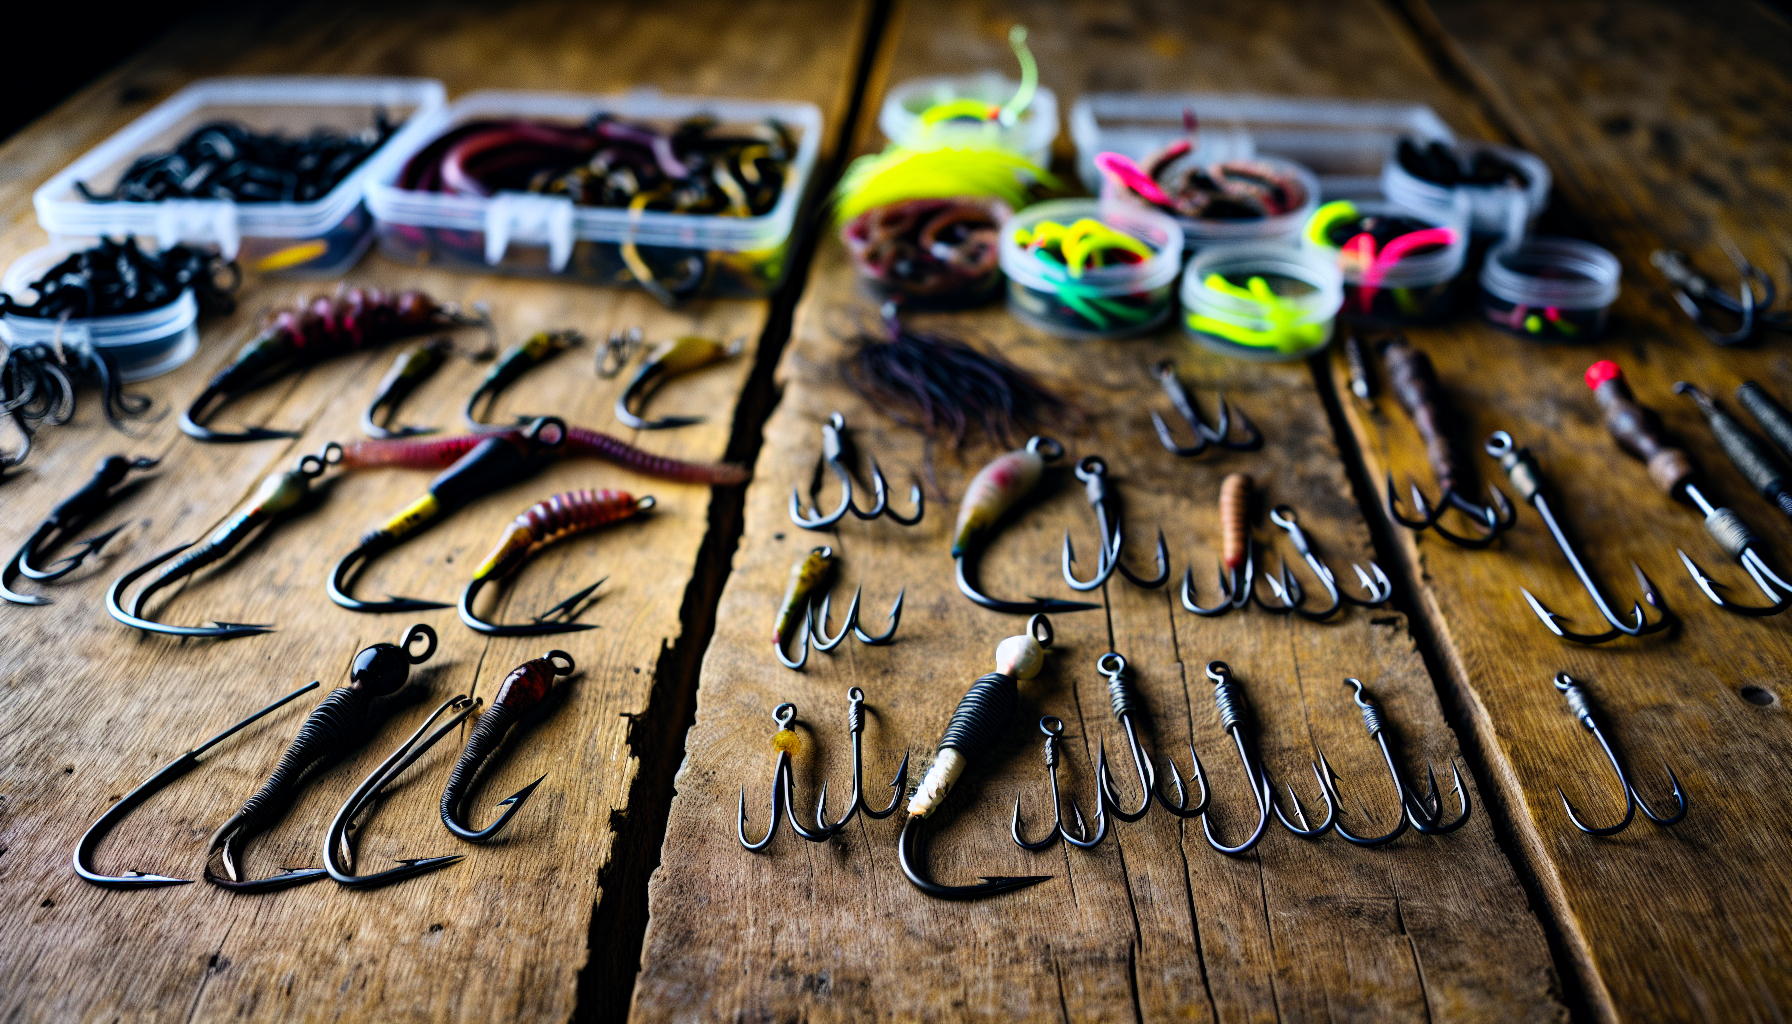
{"x":1053,"y":728}
{"x":1229,"y":700}
{"x":525,"y":688}
{"x":338,"y":721}
{"x":1414,"y":382}
{"x":1205,"y":436}
{"x":977,"y":723}
{"x":1581,"y":708}
{"x":339,"y":853}
{"x":1526,"y":477}
{"x":1690,"y":288}
{"x":72,"y":514}
{"x":991,"y":494}
{"x":833,"y":457}
{"x":1288,"y":589}
{"x":855,"y":726}
{"x":1092,"y":470}
{"x":811,"y":575}
{"x":541,"y":524}
{"x":279,"y":494}
{"x":97,"y":832}
{"x":1124,"y":699}
{"x":818,"y":624}
{"x":786,"y":742}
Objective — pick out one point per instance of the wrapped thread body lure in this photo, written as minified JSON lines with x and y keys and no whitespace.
{"x":497,"y":461}
{"x":580,"y":443}
{"x":665,"y":361}
{"x":992,"y":493}
{"x":541,"y":524}
{"x":324,"y":327}
{"x":70,"y":515}
{"x":522,"y":691}
{"x":333,"y":727}
{"x":279,"y":495}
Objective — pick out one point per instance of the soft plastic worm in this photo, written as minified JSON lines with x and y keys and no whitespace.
{"x":557,"y":518}
{"x":1235,"y":535}
{"x":580,"y":442}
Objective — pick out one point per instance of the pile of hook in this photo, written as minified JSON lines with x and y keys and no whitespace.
{"x":115,"y":278}
{"x":227,"y":160}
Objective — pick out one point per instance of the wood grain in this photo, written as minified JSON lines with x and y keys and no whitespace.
{"x":92,"y":708}
{"x":1152,"y":924}
{"x":1665,"y":126}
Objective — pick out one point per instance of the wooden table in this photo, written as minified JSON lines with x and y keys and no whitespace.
{"x":1664,"y":123}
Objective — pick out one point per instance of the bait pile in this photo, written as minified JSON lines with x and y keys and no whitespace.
{"x":114,"y":278}
{"x":931,"y":249}
{"x":226,"y":160}
{"x":1441,"y":165}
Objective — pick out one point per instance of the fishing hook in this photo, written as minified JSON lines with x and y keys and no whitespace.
{"x":1124,"y":699}
{"x":1752,"y":458}
{"x":1053,"y":728}
{"x":279,"y":494}
{"x":71,"y":515}
{"x":1205,"y":436}
{"x":1372,"y":723}
{"x":1581,"y":707}
{"x":97,"y":832}
{"x":977,"y":723}
{"x":1526,"y":477}
{"x":1229,"y":699}
{"x":408,"y":372}
{"x":991,"y":494}
{"x":1414,"y":382}
{"x":786,"y":742}
{"x":810,"y":576}
{"x":539,"y":525}
{"x":833,"y":457}
{"x":538,"y":348}
{"x":1092,"y":470}
{"x":1690,"y":288}
{"x":337,"y":722}
{"x":855,"y":726}
{"x":524,"y":689}
{"x":1288,"y":589}
{"x":339,"y":852}
{"x":1238,"y":568}
{"x":668,"y":360}
{"x":496,"y":461}
{"x":613,"y":355}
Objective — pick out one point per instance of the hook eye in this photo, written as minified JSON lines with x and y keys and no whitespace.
{"x":1164,"y":370}
{"x":645,"y":502}
{"x":558,"y":656}
{"x":1499,"y":444}
{"x":825,"y":551}
{"x":1361,"y":701}
{"x":538,"y":431}
{"x":1052,"y":726}
{"x":785,"y":714}
{"x":1112,"y":664}
{"x":837,"y":421}
{"x":1564,"y":681}
{"x":1285,"y":517}
{"x":1045,"y":447}
{"x":1219,"y":671}
{"x":419,"y":630}
{"x":1091,"y":466}
{"x":1040,"y":628}
{"x":855,"y":695}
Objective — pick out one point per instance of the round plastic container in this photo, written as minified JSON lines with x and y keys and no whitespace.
{"x":1554,"y":289}
{"x":1031,"y":135}
{"x":141,"y":345}
{"x":1105,"y":302}
{"x":1261,"y":300}
{"x":1412,"y":289}
{"x":1200,"y":232}
{"x":1491,"y":209}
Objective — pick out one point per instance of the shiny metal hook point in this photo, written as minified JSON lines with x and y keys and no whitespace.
{"x":339,"y":850}
{"x":1580,"y":706}
{"x":855,"y":727}
{"x":1053,"y":728}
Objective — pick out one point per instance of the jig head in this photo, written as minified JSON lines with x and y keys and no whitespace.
{"x":408,"y":372}
{"x":512,"y":363}
{"x":993,"y":493}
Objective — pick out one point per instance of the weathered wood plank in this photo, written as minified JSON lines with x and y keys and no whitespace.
{"x":1665,"y":126}
{"x":92,"y":709}
{"x":1152,"y":924}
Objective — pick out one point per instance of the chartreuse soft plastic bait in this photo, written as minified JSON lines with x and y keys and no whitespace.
{"x":1284,"y":333}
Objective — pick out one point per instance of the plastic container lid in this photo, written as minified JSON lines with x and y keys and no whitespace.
{"x":1415,"y":271}
{"x":141,"y":345}
{"x":1148,"y":226}
{"x":1491,"y":207}
{"x":1344,"y":142}
{"x":1199,"y":232}
{"x":1551,"y":272}
{"x":1230,"y":316}
{"x":553,"y":221}
{"x":290,"y":104}
{"x":1030,"y":136}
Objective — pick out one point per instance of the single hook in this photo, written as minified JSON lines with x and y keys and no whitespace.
{"x":1526,"y":477}
{"x":279,"y":495}
{"x":1229,"y":700}
{"x":70,"y":515}
{"x":515,"y":361}
{"x":1580,"y":706}
{"x":786,"y":742}
{"x":978,"y":722}
{"x":408,"y":372}
{"x":667,"y":360}
{"x":541,"y":524}
{"x":95,"y":834}
{"x":524,"y":689}
{"x":855,"y":727}
{"x":339,"y":852}
{"x":1205,"y":436}
{"x":337,"y":723}
{"x":1053,"y":728}
{"x":1758,"y":465}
